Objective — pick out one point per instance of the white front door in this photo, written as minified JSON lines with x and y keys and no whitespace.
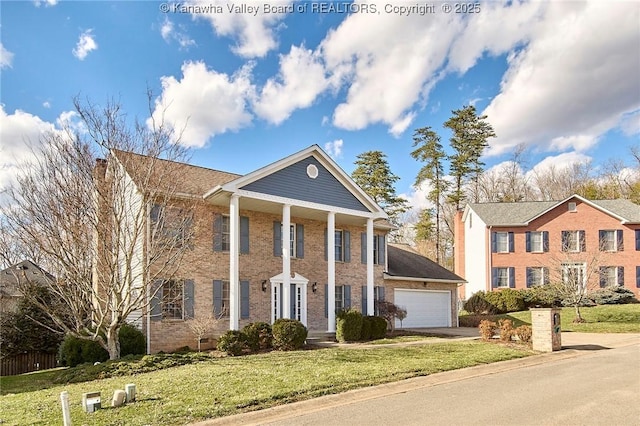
{"x":297,"y":308}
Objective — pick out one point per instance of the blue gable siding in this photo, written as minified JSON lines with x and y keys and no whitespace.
{"x":293,"y":182}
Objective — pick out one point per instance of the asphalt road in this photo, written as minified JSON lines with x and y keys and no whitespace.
{"x":598,"y":388}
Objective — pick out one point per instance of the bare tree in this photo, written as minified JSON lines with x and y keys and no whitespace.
{"x":201,"y":326}
{"x":578,"y":270}
{"x":107,"y":229}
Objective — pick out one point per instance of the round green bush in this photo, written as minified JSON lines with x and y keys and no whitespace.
{"x":367,"y":323}
{"x":512,"y":300}
{"x":478,"y":304}
{"x":288,"y":334}
{"x":348,"y":326}
{"x":233,"y":342}
{"x":496,"y":301}
{"x":613,"y":296}
{"x":258,"y":335}
{"x":132,"y":341}
{"x":75,"y":351}
{"x":378,"y":327}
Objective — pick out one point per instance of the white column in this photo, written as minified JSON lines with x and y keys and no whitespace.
{"x":286,"y":261}
{"x":234,"y":250}
{"x":331,"y":272}
{"x":370,"y":278}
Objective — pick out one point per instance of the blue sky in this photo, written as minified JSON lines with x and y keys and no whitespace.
{"x":562,"y":78}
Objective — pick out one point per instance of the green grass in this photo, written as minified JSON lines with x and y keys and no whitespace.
{"x":224,"y":386}
{"x":401,"y":339}
{"x":599,"y":319}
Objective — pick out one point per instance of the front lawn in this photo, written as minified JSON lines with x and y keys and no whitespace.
{"x":222,"y":386}
{"x":599,"y":319}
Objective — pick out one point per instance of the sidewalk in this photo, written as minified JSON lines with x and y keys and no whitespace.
{"x":573,"y":345}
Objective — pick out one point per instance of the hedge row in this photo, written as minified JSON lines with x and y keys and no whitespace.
{"x":510,"y":300}
{"x":352,"y":326}
{"x":284,"y":335}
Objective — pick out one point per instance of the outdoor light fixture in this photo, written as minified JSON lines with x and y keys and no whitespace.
{"x":314,"y":287}
{"x":264,"y":285}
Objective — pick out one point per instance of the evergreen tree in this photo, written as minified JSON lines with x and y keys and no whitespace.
{"x":373,"y":175}
{"x":469,"y":140}
{"x":430,"y":152}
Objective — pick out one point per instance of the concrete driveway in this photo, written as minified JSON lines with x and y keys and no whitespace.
{"x":367,"y":405}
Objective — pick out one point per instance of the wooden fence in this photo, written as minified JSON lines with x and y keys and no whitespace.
{"x":26,"y":363}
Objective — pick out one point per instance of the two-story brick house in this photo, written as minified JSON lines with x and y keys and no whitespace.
{"x":294,"y":239}
{"x":520,"y":245}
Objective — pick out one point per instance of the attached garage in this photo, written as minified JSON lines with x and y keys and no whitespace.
{"x":427,"y":291}
{"x":425,"y":308}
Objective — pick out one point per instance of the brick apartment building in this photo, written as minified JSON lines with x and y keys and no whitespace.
{"x":294,"y":239}
{"x":520,"y":245}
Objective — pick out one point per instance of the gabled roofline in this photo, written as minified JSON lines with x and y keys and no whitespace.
{"x":315,"y":151}
{"x":584,"y":200}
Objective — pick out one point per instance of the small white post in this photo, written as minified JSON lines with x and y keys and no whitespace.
{"x":130,"y":390}
{"x":66,"y":413}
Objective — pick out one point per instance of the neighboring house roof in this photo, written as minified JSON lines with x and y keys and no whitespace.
{"x":522,"y":213}
{"x":405,"y":263}
{"x":27,"y":269}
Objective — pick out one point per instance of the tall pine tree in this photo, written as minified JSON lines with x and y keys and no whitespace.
{"x":429,"y":151}
{"x":468,"y":141}
{"x":373,"y":175}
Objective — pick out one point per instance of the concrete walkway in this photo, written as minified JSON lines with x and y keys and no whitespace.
{"x":573,"y":345}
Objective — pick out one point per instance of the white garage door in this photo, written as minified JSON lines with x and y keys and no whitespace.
{"x":425,"y":308}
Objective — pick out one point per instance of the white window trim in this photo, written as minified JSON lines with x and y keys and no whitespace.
{"x":575,"y":265}
{"x":506,"y":270}
{"x":498,"y":247}
{"x":578,"y":242}
{"x":540,"y":281}
{"x":223,"y":233}
{"x":614,"y":240}
{"x":339,"y":292}
{"x":179,"y":283}
{"x":341,"y":231}
{"x":540,"y":248}
{"x":615,"y":276}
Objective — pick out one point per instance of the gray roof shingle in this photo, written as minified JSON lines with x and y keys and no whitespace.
{"x":520,"y":214}
{"x":403,"y":261}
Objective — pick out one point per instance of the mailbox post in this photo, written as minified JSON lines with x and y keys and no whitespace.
{"x":545,"y":325}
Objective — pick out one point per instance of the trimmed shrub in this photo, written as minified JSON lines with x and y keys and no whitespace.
{"x":478,"y":304}
{"x":613,"y":296}
{"x":367,"y":324}
{"x":348,"y":325}
{"x":75,"y":351}
{"x":288,"y":334}
{"x":506,"y":329}
{"x":524,"y":333}
{"x":487,"y":329}
{"x":258,"y":335}
{"x":512,"y":300}
{"x":132,"y":341}
{"x":378,"y":327}
{"x":232,"y":342}
{"x":539,"y":297}
{"x":495,"y":299}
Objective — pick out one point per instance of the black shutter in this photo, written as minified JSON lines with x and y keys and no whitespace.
{"x":545,"y":241}
{"x":244,"y":299}
{"x":347,"y":296}
{"x":300,"y":241}
{"x":620,"y":238}
{"x":156,"y":300}
{"x":277,"y":238}
{"x":381,"y":249}
{"x":527,"y":239}
{"x":244,"y":234}
{"x":511,"y":242}
{"x":189,"y":299}
{"x":346,"y":235}
{"x":621,"y":276}
{"x":363,"y":247}
{"x":217,"y":232}
{"x":512,"y":277}
{"x":364,"y":300}
{"x":217,"y":299}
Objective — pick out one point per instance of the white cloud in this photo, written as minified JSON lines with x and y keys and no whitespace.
{"x":47,"y":3}
{"x":86,"y":44}
{"x":334,"y":149}
{"x":6,"y":57}
{"x":300,"y":80}
{"x":254,"y":33}
{"x":573,"y":81}
{"x":204,"y":103}
{"x":20,"y":134}
{"x":46,"y":104}
{"x":558,"y":162}
{"x":389,"y":63}
{"x":170,"y":33}
{"x":630,"y":123}
{"x":418,"y":197}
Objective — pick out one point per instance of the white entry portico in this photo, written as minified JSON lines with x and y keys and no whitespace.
{"x":296,"y":308}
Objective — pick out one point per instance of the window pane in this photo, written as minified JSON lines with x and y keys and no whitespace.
{"x":503,"y":277}
{"x":608,"y":241}
{"x":172,"y":300}
{"x":502,"y":242}
{"x":226,"y":234}
{"x":339,"y":298}
{"x":536,"y":241}
{"x":292,"y":240}
{"x":225,"y":298}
